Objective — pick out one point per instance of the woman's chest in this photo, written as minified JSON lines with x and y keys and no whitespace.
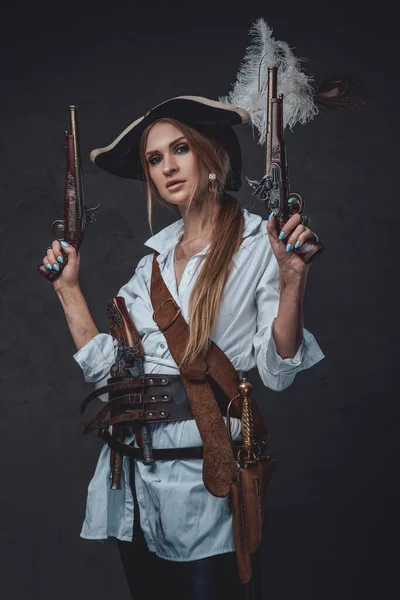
{"x":179,"y":269}
{"x":181,"y":260}
{"x":180,"y":276}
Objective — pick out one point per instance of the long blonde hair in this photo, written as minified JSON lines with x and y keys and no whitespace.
{"x":226,"y":235}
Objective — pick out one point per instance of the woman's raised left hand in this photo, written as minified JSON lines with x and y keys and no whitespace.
{"x":295,"y":232}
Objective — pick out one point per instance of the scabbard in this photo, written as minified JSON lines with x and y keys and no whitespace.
{"x":116,"y":461}
{"x":248,"y":493}
{"x":148,"y":458}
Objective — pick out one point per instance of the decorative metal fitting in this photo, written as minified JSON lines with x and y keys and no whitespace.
{"x":245,"y":387}
{"x":211,"y":182}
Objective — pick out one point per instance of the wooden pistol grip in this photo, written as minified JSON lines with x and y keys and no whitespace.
{"x":121,"y":324}
{"x":309,"y":250}
{"x":51,"y":275}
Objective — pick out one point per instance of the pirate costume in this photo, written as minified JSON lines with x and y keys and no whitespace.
{"x":169,"y":521}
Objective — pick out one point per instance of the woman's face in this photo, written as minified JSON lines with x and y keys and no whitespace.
{"x":171,"y":162}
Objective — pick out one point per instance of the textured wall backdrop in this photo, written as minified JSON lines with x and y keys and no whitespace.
{"x":331,"y":514}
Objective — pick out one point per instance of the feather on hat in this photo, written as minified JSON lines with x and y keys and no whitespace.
{"x":300,"y":96}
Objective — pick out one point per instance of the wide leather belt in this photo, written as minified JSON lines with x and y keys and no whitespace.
{"x":138,"y":402}
{"x":160,"y":398}
{"x":121,"y":386}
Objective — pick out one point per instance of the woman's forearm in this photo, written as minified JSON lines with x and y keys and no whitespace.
{"x":80,"y":322}
{"x":288,"y":326}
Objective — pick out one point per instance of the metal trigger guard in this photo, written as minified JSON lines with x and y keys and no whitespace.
{"x":298,"y":204}
{"x":57,"y":230}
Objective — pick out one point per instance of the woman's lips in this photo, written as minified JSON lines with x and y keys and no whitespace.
{"x":175,"y":186}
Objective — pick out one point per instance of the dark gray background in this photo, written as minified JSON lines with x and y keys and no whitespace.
{"x":331,"y":528}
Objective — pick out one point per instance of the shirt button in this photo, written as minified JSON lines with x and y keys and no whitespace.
{"x":189,"y":272}
{"x":162,"y":345}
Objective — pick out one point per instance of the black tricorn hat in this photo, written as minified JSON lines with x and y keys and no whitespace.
{"x":213,"y":119}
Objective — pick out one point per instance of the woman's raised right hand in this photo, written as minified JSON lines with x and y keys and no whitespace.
{"x":67,"y":261}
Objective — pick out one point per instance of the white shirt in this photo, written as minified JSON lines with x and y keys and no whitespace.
{"x":180,"y":519}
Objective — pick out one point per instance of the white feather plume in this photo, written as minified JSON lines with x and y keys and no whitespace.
{"x":250,"y":90}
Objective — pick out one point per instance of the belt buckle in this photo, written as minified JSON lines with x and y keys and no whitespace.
{"x":141,"y":408}
{"x":138,"y":412}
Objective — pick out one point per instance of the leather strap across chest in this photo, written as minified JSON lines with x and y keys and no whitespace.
{"x":219,"y":465}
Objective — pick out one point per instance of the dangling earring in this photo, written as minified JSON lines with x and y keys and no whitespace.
{"x":211,"y":182}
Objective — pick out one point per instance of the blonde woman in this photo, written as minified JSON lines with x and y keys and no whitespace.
{"x":237,"y":284}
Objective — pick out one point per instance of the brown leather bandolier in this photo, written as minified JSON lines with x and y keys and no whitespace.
{"x":247,"y":483}
{"x":211,"y":388}
{"x":219,"y":465}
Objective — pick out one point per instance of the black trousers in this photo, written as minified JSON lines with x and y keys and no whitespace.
{"x":151,"y":578}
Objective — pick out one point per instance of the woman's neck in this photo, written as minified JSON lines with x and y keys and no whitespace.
{"x":198,"y":222}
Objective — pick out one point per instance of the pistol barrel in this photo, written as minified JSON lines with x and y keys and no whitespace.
{"x":272,"y":90}
{"x":74,"y":130}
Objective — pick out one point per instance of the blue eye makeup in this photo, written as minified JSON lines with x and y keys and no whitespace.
{"x":181,"y":149}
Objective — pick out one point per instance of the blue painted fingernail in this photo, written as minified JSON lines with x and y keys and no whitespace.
{"x":290,"y":200}
{"x":65,"y":244}
{"x":288,"y":247}
{"x":270,"y":216}
{"x":297,"y":244}
{"x":49,"y":267}
{"x":60,"y":259}
{"x":56,"y":267}
{"x":282,"y":235}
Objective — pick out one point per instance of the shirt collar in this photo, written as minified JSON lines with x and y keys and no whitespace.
{"x":167,"y":238}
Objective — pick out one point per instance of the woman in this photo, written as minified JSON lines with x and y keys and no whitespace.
{"x":236,"y":283}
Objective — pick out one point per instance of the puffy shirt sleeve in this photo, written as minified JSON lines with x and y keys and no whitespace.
{"x":275,"y":372}
{"x":97,"y":356}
